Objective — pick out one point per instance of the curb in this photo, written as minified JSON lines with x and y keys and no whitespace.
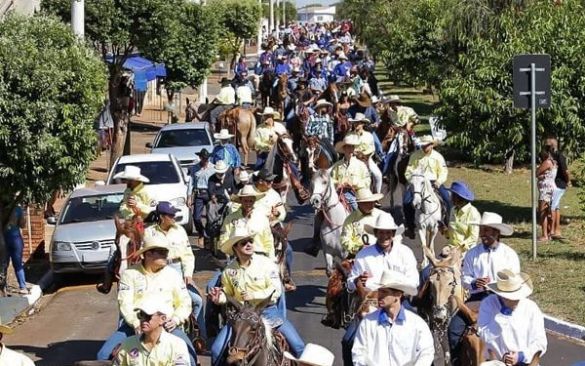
{"x":12,"y":307}
{"x":564,"y":328}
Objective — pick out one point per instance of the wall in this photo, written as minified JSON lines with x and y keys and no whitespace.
{"x":26,"y":7}
{"x":37,"y":232}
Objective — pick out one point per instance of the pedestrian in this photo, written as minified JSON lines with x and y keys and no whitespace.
{"x":562,"y":182}
{"x":200,"y":174}
{"x":15,"y":246}
{"x":511,"y":325}
{"x":546,"y":174}
{"x":313,"y":355}
{"x":153,"y":346}
{"x":9,"y":357}
{"x":222,"y":184}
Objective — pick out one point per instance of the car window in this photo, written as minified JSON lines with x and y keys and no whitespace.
{"x":158,"y":172}
{"x":183,"y":138}
{"x":92,"y":208}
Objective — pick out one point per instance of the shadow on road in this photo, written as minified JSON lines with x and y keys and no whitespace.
{"x":304,"y":297}
{"x":62,"y":353}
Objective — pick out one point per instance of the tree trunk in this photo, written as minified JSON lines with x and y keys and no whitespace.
{"x":119,"y":100}
{"x":509,"y":162}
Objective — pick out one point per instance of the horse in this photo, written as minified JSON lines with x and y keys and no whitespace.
{"x":325,"y":199}
{"x":265,"y":87}
{"x":331,"y":93}
{"x":316,"y":154}
{"x":190,"y":112}
{"x":280,"y":233}
{"x":395,"y":163}
{"x":428,"y":213}
{"x":280,"y":95}
{"x":242,"y":123}
{"x":279,"y":161}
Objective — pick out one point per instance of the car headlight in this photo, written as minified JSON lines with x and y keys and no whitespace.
{"x":178,"y":202}
{"x":61,"y":246}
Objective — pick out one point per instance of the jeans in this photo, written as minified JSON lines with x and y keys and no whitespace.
{"x":289,"y":332}
{"x":14,"y":248}
{"x":200,"y":203}
{"x":376,"y":176}
{"x":260,"y":160}
{"x":211,"y":316}
{"x":347,"y":341}
{"x":124,"y":331}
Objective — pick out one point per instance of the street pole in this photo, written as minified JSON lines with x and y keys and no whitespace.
{"x":78,"y":17}
{"x":203,"y":86}
{"x":277,"y":16}
{"x":533,"y":148}
{"x":259,"y":36}
{"x":284,"y":12}
{"x":271,"y":16}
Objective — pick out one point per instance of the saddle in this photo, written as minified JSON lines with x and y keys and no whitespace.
{"x":338,"y":310}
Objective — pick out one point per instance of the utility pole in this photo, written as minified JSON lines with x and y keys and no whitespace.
{"x":277,"y":20}
{"x":78,"y":17}
{"x":284,"y":12}
{"x":203,"y":87}
{"x":271,"y":16}
{"x":259,"y":36}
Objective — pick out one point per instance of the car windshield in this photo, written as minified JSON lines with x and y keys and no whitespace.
{"x":92,"y":208}
{"x":183,"y":138}
{"x":158,"y":172}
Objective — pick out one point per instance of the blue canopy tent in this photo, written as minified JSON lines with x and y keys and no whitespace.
{"x":144,"y":70}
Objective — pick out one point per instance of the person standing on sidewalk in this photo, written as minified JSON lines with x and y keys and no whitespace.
{"x":200,"y":174}
{"x":15,"y":246}
{"x":562,"y":181}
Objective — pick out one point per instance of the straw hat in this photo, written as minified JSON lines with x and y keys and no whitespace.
{"x":244,"y":176}
{"x":511,"y":286}
{"x":223,"y":134}
{"x":153,"y":240}
{"x":247,"y":191}
{"x":4,"y":329}
{"x":384,"y":221}
{"x":267,"y":111}
{"x":366,"y":195}
{"x":131,"y":172}
{"x":152,"y":305}
{"x":221,"y":167}
{"x":276,"y":116}
{"x":349,"y":139}
{"x":241,"y":232}
{"x":426,"y":140}
{"x":495,"y":221}
{"x":342,"y":56}
{"x":313,"y":355}
{"x":360,"y":117}
{"x":392,"y":99}
{"x":322,"y":103}
{"x":396,"y":281}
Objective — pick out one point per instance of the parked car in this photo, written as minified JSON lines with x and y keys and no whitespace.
{"x":168,"y":181}
{"x":83,"y":239}
{"x":183,"y":140}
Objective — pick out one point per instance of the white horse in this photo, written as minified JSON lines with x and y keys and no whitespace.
{"x":325,"y":199}
{"x":282,"y":150}
{"x":428,"y":212}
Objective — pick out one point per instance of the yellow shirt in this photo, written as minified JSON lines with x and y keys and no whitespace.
{"x":227,"y":95}
{"x":9,"y":357}
{"x":356,"y":173}
{"x":270,"y":200}
{"x":142,"y":202}
{"x":169,"y":351}
{"x":244,"y":95}
{"x":433,"y":166}
{"x":462,"y":233}
{"x":366,"y":146}
{"x":260,"y":279}
{"x":167,"y":285}
{"x":264,"y":136}
{"x":406,"y":114}
{"x":263,"y":240}
{"x":353,"y":230}
{"x":180,"y":248}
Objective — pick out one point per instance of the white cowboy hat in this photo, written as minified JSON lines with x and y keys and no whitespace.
{"x":244,"y":176}
{"x":152,"y":305}
{"x":267,"y":111}
{"x":314,"y":355}
{"x":492,"y":363}
{"x":318,"y":61}
{"x":426,"y":140}
{"x":241,"y":232}
{"x":493,"y":220}
{"x":384,"y":221}
{"x":342,"y":56}
{"x":511,"y":286}
{"x":359,"y":117}
{"x":131,"y":172}
{"x":322,"y":103}
{"x":366,"y":195}
{"x":153,"y":240}
{"x":221,"y":167}
{"x":223,"y":134}
{"x":396,"y":281}
{"x":392,"y":99}
{"x":375,"y":99}
{"x":349,"y":139}
{"x":247,"y":191}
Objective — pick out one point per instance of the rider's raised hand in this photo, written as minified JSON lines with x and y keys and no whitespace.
{"x":170,"y":325}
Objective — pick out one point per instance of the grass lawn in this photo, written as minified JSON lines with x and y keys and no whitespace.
{"x":558,"y":273}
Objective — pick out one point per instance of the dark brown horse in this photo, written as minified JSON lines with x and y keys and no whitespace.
{"x":281,"y":95}
{"x":265,"y":87}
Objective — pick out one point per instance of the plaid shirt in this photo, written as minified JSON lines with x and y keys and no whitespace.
{"x":320,"y":126}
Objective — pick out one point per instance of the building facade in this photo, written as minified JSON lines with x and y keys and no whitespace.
{"x":25,"y":7}
{"x":314,"y":14}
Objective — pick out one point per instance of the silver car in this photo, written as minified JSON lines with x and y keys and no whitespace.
{"x":183,"y":140}
{"x":83,"y":240}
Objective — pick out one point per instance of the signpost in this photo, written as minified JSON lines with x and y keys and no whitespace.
{"x":532,"y":90}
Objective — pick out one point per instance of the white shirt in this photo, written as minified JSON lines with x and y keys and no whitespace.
{"x":371,"y":259}
{"x":271,"y":199}
{"x":9,"y":357}
{"x":244,"y":94}
{"x":407,"y":341}
{"x":481,"y":262}
{"x":521,"y":331}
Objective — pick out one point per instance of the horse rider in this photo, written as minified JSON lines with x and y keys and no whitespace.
{"x":265,"y":61}
{"x":153,"y":345}
{"x":480,"y":267}
{"x":241,"y":68}
{"x":432,"y":165}
{"x":320,"y":123}
{"x":353,"y":227}
{"x":393,"y":335}
{"x":223,"y":101}
{"x":151,"y":278}
{"x":511,"y":325}
{"x":313,"y":355}
{"x":363,"y":104}
{"x":282,"y":67}
{"x":221,"y":185}
{"x":293,"y":80}
{"x":180,"y":256}
{"x":226,"y":151}
{"x":341,"y":70}
{"x":463,"y":230}
{"x":244,"y":91}
{"x":366,"y":149}
{"x":266,"y":136}
{"x":8,"y":356}
{"x":250,"y":278}
{"x":349,"y":173}
{"x":242,"y":179}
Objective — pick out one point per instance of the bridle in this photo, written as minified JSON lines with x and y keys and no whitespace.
{"x":437,"y":271}
{"x":249,"y":355}
{"x":325,"y":196}
{"x":425,"y":198}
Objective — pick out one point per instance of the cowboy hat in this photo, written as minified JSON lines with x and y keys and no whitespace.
{"x":492,"y":363}
{"x":364,"y":100}
{"x":313,"y":355}
{"x":407,"y":114}
{"x":359,"y":117}
{"x":384,"y":221}
{"x":166,"y":208}
{"x":131,"y":172}
{"x":264,"y":174}
{"x":396,"y":281}
{"x":247,"y":191}
{"x":153,"y":240}
{"x":240,"y":233}
{"x":511,"y":286}
{"x":322,"y":103}
{"x":342,"y":56}
{"x":223,"y":135}
{"x":349,"y":139}
{"x":203,"y":154}
{"x":365,"y":195}
{"x":267,"y":111}
{"x":224,"y":81}
{"x":152,"y":305}
{"x":391,"y":99}
{"x":244,"y":177}
{"x":462,"y":190}
{"x":375,"y":99}
{"x":5,"y":329}
{"x":495,"y":221}
{"x":426,"y":140}
{"x":221,"y":167}
{"x":276,"y":116}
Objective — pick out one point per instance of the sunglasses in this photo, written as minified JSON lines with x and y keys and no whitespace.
{"x":243,"y":243}
{"x":159,"y":251}
{"x":143,"y":317}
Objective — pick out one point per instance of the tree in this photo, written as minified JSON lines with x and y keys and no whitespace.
{"x":51,"y":90}
{"x":290,"y":11}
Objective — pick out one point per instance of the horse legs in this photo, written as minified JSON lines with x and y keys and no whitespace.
{"x":433,"y":235}
{"x":328,"y":257}
{"x":422,"y":235}
{"x":245,"y":148}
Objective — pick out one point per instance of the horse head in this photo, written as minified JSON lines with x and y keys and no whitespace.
{"x":444,"y":283}
{"x":285,"y":147}
{"x":320,"y":186}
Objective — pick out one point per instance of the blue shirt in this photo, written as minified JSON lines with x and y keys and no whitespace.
{"x":200,"y":177}
{"x":384,"y":319}
{"x":342,"y":69}
{"x":13,"y":230}
{"x":228,"y":153}
{"x":283,"y":69}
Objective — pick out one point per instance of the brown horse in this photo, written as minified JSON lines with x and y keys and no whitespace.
{"x":281,"y":93}
{"x":242,"y":123}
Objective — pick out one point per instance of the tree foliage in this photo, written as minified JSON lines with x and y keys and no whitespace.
{"x":289,"y":9}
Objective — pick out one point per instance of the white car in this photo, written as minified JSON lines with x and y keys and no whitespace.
{"x":168,"y":182}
